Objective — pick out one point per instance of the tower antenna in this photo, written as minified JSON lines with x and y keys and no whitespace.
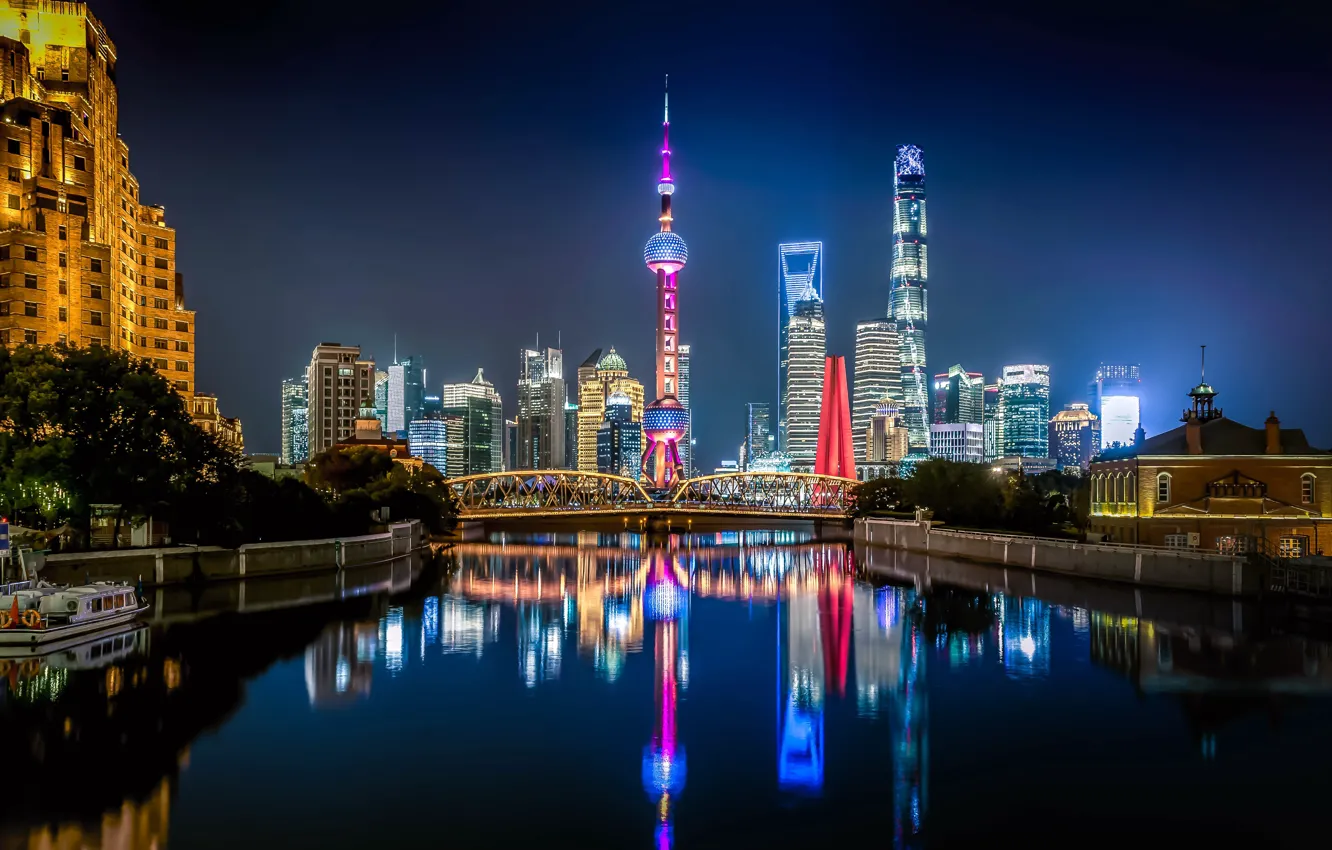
{"x":1204,"y":365}
{"x":395,"y":349}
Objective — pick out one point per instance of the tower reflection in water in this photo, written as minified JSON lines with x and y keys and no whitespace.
{"x":666,"y":600}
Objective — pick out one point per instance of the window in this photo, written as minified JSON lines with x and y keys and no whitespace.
{"x":183,"y":327}
{"x":29,"y":252}
{"x":1307,"y":488}
{"x":30,"y":308}
{"x":183,"y":386}
{"x":94,"y":318}
{"x":4,"y":281}
{"x":159,"y":242}
{"x":182,"y":345}
{"x":95,"y":265}
{"x":160,"y":324}
{"x":30,"y":337}
{"x":143,"y":300}
{"x":159,"y":343}
{"x":4,"y":252}
{"x":64,"y":288}
{"x":64,"y":315}
{"x":94,"y":291}
{"x":14,"y":202}
{"x":160,"y":282}
{"x":80,"y":163}
{"x":64,"y":261}
{"x":1177,"y":541}
{"x":63,"y":233}
{"x":15,"y":175}
{"x":160,"y":304}
{"x":64,"y":75}
{"x":159,"y":262}
{"x":182,"y":366}
{"x":13,"y":144}
{"x":1293,"y":546}
{"x":160,"y":363}
{"x":1163,"y":488}
{"x":30,"y":281}
{"x":1232,"y":545}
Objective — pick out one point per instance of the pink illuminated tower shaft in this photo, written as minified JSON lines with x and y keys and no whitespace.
{"x":665,"y":420}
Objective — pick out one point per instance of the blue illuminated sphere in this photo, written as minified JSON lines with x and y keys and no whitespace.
{"x":666,"y":419}
{"x":665,"y":251}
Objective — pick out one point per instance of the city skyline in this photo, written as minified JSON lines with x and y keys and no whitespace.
{"x":835,"y":186}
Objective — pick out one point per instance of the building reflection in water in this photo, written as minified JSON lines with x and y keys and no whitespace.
{"x":135,"y":825}
{"x":1023,"y":626}
{"x":339,"y":664}
{"x":666,"y":602}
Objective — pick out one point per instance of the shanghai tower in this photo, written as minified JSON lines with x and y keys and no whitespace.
{"x":909,"y":303}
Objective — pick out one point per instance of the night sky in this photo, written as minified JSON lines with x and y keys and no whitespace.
{"x":1122,"y":185}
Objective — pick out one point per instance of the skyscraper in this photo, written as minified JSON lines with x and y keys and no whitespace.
{"x":878,"y":376}
{"x":1075,"y":437}
{"x":406,"y":393}
{"x":886,"y":441}
{"x":963,"y":442}
{"x":687,"y":444}
{"x":799,"y":278}
{"x":807,"y":348}
{"x":758,"y":431}
{"x":665,"y":420}
{"x":993,"y":420}
{"x":909,"y":300}
{"x":619,"y":438}
{"x":339,"y":383}
{"x":541,"y":399}
{"x":481,"y":412}
{"x":959,"y":397}
{"x":570,"y":435}
{"x":596,"y":383}
{"x":1026,"y":405}
{"x":1116,"y":398}
{"x":295,"y":422}
{"x":381,"y":399}
{"x":88,"y":262}
{"x":428,"y":439}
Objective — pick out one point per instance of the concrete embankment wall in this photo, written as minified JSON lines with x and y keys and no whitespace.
{"x":172,"y":565}
{"x":1150,"y":566}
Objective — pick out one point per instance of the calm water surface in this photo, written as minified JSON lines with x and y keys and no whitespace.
{"x":752,"y":690}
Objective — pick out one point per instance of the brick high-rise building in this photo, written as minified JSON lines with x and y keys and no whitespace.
{"x":82,"y":259}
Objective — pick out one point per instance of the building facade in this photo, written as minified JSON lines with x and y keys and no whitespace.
{"x":428,"y":439}
{"x":799,"y":278}
{"x":993,"y":420}
{"x":909,"y":300}
{"x":877,"y":377}
{"x":963,"y":442}
{"x":959,"y":397}
{"x":480,"y":412}
{"x":687,"y":444}
{"x":759,"y":439}
{"x":1215,"y":484}
{"x":1025,"y":392}
{"x":1116,"y":399}
{"x":203,"y":410}
{"x":619,"y":438}
{"x":887,"y":440}
{"x":541,"y":400}
{"x":807,"y":345}
{"x":295,"y":422}
{"x":406,"y":393}
{"x":597,"y":383}
{"x":82,"y":259}
{"x":1075,"y":437}
{"x":338,"y":383}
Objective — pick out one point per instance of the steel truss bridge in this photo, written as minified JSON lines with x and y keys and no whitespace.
{"x":564,"y":492}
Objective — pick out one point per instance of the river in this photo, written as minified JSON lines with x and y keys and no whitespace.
{"x":749,"y":689}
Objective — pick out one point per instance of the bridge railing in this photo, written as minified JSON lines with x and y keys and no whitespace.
{"x":767,"y":492}
{"x":547,"y":491}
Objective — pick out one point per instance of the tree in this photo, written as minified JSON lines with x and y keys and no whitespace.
{"x":966,"y":494}
{"x":879,"y":496}
{"x":345,"y":468}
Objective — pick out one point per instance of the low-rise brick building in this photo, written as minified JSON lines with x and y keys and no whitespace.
{"x":1216,"y":484}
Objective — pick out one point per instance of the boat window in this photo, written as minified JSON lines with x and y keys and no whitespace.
{"x":96,"y":651}
{"x":120,"y":600}
{"x":97,"y":604}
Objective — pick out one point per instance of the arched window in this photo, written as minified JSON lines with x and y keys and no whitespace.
{"x":1163,"y":488}
{"x":1119,"y":488}
{"x":1307,"y":488}
{"x":1132,"y":488}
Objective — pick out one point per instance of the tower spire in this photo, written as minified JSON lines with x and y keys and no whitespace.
{"x":1203,"y":372}
{"x":666,"y":138}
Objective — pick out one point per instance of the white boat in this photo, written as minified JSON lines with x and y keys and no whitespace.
{"x":40,"y":617}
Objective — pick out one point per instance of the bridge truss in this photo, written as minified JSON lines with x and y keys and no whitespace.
{"x":768,"y":493}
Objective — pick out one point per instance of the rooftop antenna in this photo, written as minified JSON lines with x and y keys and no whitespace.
{"x":1203,"y":373}
{"x":395,"y":349}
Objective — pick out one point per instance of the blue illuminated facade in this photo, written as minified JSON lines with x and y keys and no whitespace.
{"x":799,"y":278}
{"x":909,"y":304}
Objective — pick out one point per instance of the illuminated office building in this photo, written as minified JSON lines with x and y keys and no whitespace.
{"x":598,"y":379}
{"x":1116,"y":398}
{"x":428,"y":439}
{"x":806,"y":350}
{"x":83,"y":260}
{"x":339,"y":383}
{"x":406,"y":393}
{"x":959,"y":397}
{"x":295,"y":422}
{"x":759,"y":440}
{"x":799,"y":278}
{"x":909,"y":299}
{"x":963,"y":442}
{"x":620,"y":438}
{"x":381,"y":399}
{"x":1075,"y":437}
{"x":1026,"y":405}
{"x":878,"y":376}
{"x":886,"y":435}
{"x":687,"y":444}
{"x":541,"y":397}
{"x":480,"y":411}
{"x":993,"y":421}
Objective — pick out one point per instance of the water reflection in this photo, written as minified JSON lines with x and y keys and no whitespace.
{"x":828,"y":664}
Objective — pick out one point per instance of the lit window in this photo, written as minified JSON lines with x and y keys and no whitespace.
{"x":1293,"y":546}
{"x":1307,"y":488}
{"x":1177,"y":541}
{"x":1163,"y":488}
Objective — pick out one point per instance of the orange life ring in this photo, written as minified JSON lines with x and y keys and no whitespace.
{"x":5,"y":621}
{"x":4,"y":667}
{"x":32,"y":619}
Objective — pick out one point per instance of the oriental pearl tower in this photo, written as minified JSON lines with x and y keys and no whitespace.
{"x":666,"y":420}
